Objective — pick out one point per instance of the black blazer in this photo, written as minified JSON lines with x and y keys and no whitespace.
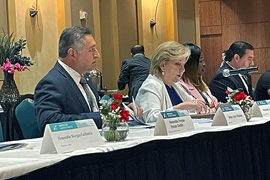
{"x":218,"y":84}
{"x":134,"y":71}
{"x":58,"y":98}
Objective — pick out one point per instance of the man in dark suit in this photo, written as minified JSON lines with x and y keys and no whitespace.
{"x":239,"y":55}
{"x":262,"y":91}
{"x":134,"y":71}
{"x":60,"y":96}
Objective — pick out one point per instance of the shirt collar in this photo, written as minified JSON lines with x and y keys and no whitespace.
{"x":74,"y":74}
{"x":230,"y":65}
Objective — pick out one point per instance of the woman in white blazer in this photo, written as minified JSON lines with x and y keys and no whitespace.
{"x":161,"y":90}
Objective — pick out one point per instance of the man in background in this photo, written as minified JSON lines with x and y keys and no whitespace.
{"x":262,"y":91}
{"x":239,"y":55}
{"x":134,"y":71}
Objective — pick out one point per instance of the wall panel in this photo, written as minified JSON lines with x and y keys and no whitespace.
{"x":248,"y":11}
{"x":211,"y":48}
{"x":240,"y":20}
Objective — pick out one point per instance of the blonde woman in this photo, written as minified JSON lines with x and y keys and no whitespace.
{"x":161,"y":90}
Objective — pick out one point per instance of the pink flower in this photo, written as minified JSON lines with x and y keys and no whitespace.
{"x":11,"y":71}
{"x":10,"y":68}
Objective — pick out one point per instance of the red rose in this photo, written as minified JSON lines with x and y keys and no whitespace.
{"x":124,"y":115}
{"x":227,"y":92}
{"x":117,"y":96}
{"x":239,"y":96}
{"x":114,"y":106}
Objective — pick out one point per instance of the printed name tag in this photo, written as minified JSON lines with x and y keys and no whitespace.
{"x":261,"y":108}
{"x":69,"y":136}
{"x":229,"y":115}
{"x":173,"y":122}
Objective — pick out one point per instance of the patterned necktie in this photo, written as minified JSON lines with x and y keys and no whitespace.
{"x":87,"y":92}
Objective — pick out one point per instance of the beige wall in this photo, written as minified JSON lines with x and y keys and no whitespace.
{"x":117,"y":25}
{"x":3,"y":25}
{"x":186,"y":21}
{"x":165,"y":29}
{"x":41,"y":33}
{"x":3,"y":15}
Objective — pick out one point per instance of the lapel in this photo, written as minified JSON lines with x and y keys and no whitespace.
{"x":73,"y":86}
{"x":237,"y":80}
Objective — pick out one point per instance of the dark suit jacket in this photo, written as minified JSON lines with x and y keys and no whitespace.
{"x":134,"y":71}
{"x":58,"y":99}
{"x":218,"y":84}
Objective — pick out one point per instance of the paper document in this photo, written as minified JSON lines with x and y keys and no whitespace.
{"x":134,"y":121}
{"x":134,"y":107}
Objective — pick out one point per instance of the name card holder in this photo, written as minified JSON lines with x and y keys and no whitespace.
{"x":261,"y":108}
{"x":229,"y":115}
{"x":173,"y":122}
{"x":69,"y":136}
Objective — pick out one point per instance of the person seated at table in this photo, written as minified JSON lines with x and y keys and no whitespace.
{"x":65,"y":94}
{"x":239,"y":55}
{"x":191,"y":79}
{"x":262,"y":90}
{"x":161,"y":90}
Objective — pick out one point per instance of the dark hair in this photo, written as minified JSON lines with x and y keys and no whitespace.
{"x":191,"y":68}
{"x":72,"y":38}
{"x":238,"y":47}
{"x":137,"y":49}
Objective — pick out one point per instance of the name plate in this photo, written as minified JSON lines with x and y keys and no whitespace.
{"x":261,"y":108}
{"x":229,"y":115}
{"x":173,"y":122}
{"x":69,"y":136}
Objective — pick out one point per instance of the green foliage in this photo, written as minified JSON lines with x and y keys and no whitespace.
{"x":11,"y":49}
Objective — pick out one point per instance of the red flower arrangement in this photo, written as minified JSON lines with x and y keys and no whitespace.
{"x":113,"y":114}
{"x":238,"y":97}
{"x":112,"y":111}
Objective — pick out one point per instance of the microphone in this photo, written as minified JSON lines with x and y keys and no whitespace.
{"x":227,"y":72}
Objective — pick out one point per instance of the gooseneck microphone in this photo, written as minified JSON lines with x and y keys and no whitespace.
{"x":227,"y":72}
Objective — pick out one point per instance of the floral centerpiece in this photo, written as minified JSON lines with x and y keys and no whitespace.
{"x":11,"y":59}
{"x":243,"y":100}
{"x":115,"y":127}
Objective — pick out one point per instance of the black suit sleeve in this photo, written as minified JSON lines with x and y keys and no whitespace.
{"x":124,"y":76}
{"x":218,"y":87}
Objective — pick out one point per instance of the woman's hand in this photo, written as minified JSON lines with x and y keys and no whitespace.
{"x":196,"y":104}
{"x":139,"y":110}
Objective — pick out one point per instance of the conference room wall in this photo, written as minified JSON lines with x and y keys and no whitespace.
{"x":41,"y":32}
{"x":113,"y":35}
{"x":225,"y":21}
{"x":3,"y":26}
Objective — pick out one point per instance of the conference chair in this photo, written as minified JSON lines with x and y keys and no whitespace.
{"x":24,"y":123}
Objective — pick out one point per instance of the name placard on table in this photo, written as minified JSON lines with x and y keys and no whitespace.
{"x":229,"y":115}
{"x":69,"y":136}
{"x":173,"y":122}
{"x":261,"y":108}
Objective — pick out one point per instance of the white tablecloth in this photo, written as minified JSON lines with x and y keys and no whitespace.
{"x":26,"y":159}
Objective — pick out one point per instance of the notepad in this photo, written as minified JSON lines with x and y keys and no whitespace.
{"x":5,"y":147}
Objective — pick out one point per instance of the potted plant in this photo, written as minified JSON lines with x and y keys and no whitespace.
{"x":11,"y":59}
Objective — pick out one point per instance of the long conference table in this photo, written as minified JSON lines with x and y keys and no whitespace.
{"x":210,"y":153}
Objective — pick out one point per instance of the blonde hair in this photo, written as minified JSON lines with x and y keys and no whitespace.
{"x":170,"y":50}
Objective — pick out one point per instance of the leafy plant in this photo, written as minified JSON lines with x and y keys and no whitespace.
{"x":11,"y":52}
